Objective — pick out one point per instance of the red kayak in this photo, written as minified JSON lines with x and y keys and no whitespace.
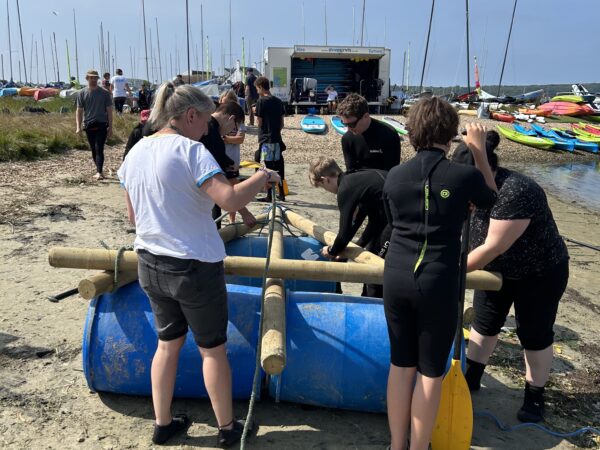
{"x":592,"y":129}
{"x":503,"y":117}
{"x":566,"y":109}
{"x":45,"y":93}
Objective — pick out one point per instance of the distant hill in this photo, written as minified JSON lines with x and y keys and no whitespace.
{"x":550,"y":89}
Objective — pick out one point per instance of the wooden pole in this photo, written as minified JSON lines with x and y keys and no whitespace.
{"x":103,"y":282}
{"x":353,"y":251}
{"x":272,"y":357}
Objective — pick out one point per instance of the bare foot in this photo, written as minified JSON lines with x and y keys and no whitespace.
{"x":99,"y":176}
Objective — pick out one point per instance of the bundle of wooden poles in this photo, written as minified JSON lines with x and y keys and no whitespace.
{"x":365,"y":267}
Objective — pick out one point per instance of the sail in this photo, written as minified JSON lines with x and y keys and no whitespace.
{"x":477,"y":85}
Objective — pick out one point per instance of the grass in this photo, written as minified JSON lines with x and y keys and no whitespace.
{"x":27,"y":136}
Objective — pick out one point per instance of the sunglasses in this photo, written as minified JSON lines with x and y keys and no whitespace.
{"x":351,"y":124}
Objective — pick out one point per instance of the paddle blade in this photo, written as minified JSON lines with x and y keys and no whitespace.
{"x":250,"y":165}
{"x":454,"y":425}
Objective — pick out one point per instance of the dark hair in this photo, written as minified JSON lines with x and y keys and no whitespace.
{"x":431,"y":121}
{"x":249,"y":70}
{"x":263,"y":83}
{"x":106,"y":74}
{"x":232,"y":109}
{"x":119,"y":72}
{"x":353,"y":105}
{"x":463,"y":155}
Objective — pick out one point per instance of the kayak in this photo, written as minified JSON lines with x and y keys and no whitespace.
{"x":531,"y":141}
{"x":566,"y":109}
{"x":509,"y":118}
{"x":567,"y":98}
{"x":336,"y":123}
{"x":41,"y":94}
{"x":26,"y":91}
{"x":8,"y":92}
{"x":581,"y":137}
{"x":583,"y":134}
{"x":591,"y":128}
{"x":595,"y":118}
{"x":467,"y":112}
{"x":586,"y":128}
{"x":396,"y":125}
{"x":526,"y":131}
{"x":559,"y":142}
{"x":534,"y":112}
{"x":313,"y":124}
{"x":591,"y":147}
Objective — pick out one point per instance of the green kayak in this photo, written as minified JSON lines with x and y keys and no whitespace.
{"x":524,"y":139}
{"x":396,"y":125}
{"x":585,"y":136}
{"x":568,"y":98}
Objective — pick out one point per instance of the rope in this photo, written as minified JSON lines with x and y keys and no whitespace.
{"x":256,"y":381}
{"x":118,"y":258}
{"x":504,"y":427}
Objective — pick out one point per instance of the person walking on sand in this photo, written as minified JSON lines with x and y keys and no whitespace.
{"x":171,"y":182}
{"x":251,"y":94}
{"x":369,"y":143}
{"x":94,"y":116}
{"x":427,"y":200}
{"x":270,"y":113}
{"x":119,"y":87}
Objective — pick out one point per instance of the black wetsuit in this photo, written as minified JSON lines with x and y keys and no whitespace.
{"x":377,"y":148}
{"x":214,"y":143}
{"x":421,"y":286}
{"x":360,"y":196}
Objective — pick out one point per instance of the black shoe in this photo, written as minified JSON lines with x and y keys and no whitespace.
{"x":229,"y":437}
{"x":281,"y":198}
{"x":162,"y":433}
{"x":533,"y":405}
{"x":265,"y":199}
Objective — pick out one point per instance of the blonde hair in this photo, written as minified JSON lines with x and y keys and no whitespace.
{"x":171,"y":102}
{"x":228,"y":96}
{"x":322,"y":167}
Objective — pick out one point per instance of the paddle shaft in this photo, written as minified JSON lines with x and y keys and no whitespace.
{"x":464,"y":253}
{"x":58,"y":297}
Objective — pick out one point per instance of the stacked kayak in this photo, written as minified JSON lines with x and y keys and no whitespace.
{"x":336,"y":123}
{"x":559,"y":142}
{"x":8,"y":92}
{"x":27,"y":91}
{"x":562,"y":141}
{"x":534,"y":112}
{"x":313,"y":124}
{"x":588,"y":146}
{"x":590,"y":128}
{"x":41,"y":94}
{"x":571,"y":98}
{"x":531,"y":141}
{"x":566,"y":109}
{"x":396,"y":125}
{"x":585,"y":136}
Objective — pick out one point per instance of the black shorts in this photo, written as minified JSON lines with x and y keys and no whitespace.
{"x":536,"y":303}
{"x":421,"y":313}
{"x":185,"y":293}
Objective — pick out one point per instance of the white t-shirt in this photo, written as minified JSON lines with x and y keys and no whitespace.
{"x":233,"y":150}
{"x":162,"y":175}
{"x":119,"y":82}
{"x":331,"y":95}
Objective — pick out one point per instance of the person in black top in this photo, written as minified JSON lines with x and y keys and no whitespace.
{"x":251,"y":94}
{"x":517,"y":237}
{"x":144,"y":97}
{"x":359,"y":196}
{"x":427,"y":199}
{"x":222,"y":122}
{"x":142,"y":129}
{"x":270,"y":113}
{"x":369,"y":143}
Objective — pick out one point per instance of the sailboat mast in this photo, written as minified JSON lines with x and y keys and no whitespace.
{"x":303,"y":26}
{"x":145,"y":41}
{"x":404,"y":70}
{"x":362,"y":28}
{"x":44,"y":56}
{"x":325,"y":15}
{"x":68,"y":60}
{"x":187,"y":30}
{"x":22,"y":46}
{"x":9,"y":42}
{"x":230,"y":51}
{"x":37,"y":64}
{"x":76,"y":48}
{"x":202,"y":38}
{"x":507,"y":44}
{"x":56,"y":57}
{"x":160,"y":77}
{"x":468,"y":53}
{"x":426,"y":47}
{"x":408,"y":68}
{"x":52,"y":56}
{"x":31,"y":59}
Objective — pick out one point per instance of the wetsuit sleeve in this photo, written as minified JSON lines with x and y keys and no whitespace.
{"x":347,"y":204}
{"x":370,"y":231}
{"x":481,"y":195}
{"x":391,"y":151}
{"x":349,"y":156}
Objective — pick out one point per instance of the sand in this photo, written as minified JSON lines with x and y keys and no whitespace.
{"x":44,"y":399}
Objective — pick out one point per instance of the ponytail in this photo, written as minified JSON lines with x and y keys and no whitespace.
{"x":171,"y":102}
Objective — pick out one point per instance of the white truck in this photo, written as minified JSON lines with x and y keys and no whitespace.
{"x":364,"y":70}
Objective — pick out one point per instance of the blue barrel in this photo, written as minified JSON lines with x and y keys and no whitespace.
{"x":120,"y":339}
{"x":337,"y":352}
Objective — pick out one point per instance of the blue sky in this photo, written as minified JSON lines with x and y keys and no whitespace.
{"x":553,"y":41}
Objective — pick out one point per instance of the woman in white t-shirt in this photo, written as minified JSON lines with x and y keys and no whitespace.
{"x":172,"y":182}
{"x":332,"y":96}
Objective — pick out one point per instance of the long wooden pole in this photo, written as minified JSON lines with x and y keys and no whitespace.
{"x":273,"y":355}
{"x":353,"y":251}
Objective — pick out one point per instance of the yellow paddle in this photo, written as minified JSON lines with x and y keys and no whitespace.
{"x":454,"y":424}
{"x":250,"y":165}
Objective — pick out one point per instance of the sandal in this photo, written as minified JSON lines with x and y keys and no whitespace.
{"x":162,"y":433}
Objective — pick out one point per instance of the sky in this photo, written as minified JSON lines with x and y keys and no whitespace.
{"x":553,"y":41}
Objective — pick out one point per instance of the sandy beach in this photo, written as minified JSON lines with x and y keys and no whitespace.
{"x":44,"y":399}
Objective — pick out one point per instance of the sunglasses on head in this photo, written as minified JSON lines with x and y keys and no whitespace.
{"x":351,"y":124}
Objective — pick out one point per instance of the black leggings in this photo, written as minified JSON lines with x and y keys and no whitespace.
{"x":536,"y":301}
{"x":96,"y":135}
{"x":119,"y":102}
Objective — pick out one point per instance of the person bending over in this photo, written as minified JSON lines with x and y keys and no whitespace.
{"x":359,"y":196}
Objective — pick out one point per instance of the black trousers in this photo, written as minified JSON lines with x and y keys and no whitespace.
{"x":119,"y":102}
{"x":96,"y":136}
{"x":277,"y":166}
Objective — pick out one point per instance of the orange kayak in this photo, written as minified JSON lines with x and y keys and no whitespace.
{"x":566,"y":109}
{"x":503,"y":117}
{"x":27,"y":91}
{"x":536,"y":112}
{"x":45,"y":93}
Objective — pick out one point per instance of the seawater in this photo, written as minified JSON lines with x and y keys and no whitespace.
{"x":577,"y":182}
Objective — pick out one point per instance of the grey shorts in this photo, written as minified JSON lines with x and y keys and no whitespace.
{"x":185,"y":293}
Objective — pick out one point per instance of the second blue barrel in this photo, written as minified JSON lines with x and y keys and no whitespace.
{"x":337,"y":352}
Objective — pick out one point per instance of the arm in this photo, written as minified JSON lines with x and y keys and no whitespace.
{"x":130,"y":212}
{"x":237,"y":139}
{"x":370,"y":231}
{"x":475,"y":140}
{"x":234,"y":198}
{"x":347,"y":205}
{"x":349,"y":156}
{"x":109,"y":113}
{"x":391,"y":154}
{"x":78,"y":119}
{"x":502,"y":234}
